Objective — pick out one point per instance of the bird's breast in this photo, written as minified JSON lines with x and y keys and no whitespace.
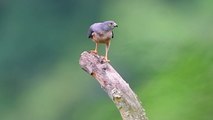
{"x":102,"y":37}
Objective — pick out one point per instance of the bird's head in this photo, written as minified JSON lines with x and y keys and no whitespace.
{"x":109,"y":25}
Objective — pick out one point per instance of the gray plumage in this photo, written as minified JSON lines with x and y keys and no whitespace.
{"x":101,"y":28}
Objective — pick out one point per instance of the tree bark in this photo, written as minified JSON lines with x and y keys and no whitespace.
{"x":113,"y":84}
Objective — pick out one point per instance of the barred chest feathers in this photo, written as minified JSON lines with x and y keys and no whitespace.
{"x":102,"y":37}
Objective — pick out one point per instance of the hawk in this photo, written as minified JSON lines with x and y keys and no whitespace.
{"x":102,"y":32}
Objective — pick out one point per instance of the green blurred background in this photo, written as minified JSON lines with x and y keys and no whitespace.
{"x":162,"y":48}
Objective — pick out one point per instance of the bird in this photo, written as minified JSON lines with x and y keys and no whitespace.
{"x":102,"y":32}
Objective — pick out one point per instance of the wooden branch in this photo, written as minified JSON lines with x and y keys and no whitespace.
{"x":118,"y":90}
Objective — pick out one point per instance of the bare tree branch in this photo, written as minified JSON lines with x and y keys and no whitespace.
{"x":118,"y":90}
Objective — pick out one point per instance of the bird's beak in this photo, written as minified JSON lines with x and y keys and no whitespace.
{"x":115,"y":25}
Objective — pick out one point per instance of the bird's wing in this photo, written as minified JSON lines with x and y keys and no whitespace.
{"x":93,"y":28}
{"x":90,"y":31}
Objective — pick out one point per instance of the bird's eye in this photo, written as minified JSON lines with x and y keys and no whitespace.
{"x":110,"y":24}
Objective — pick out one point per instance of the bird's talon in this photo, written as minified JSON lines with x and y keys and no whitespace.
{"x":94,"y":51}
{"x":107,"y":60}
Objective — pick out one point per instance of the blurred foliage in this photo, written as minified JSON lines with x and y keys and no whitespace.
{"x":163,"y":48}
